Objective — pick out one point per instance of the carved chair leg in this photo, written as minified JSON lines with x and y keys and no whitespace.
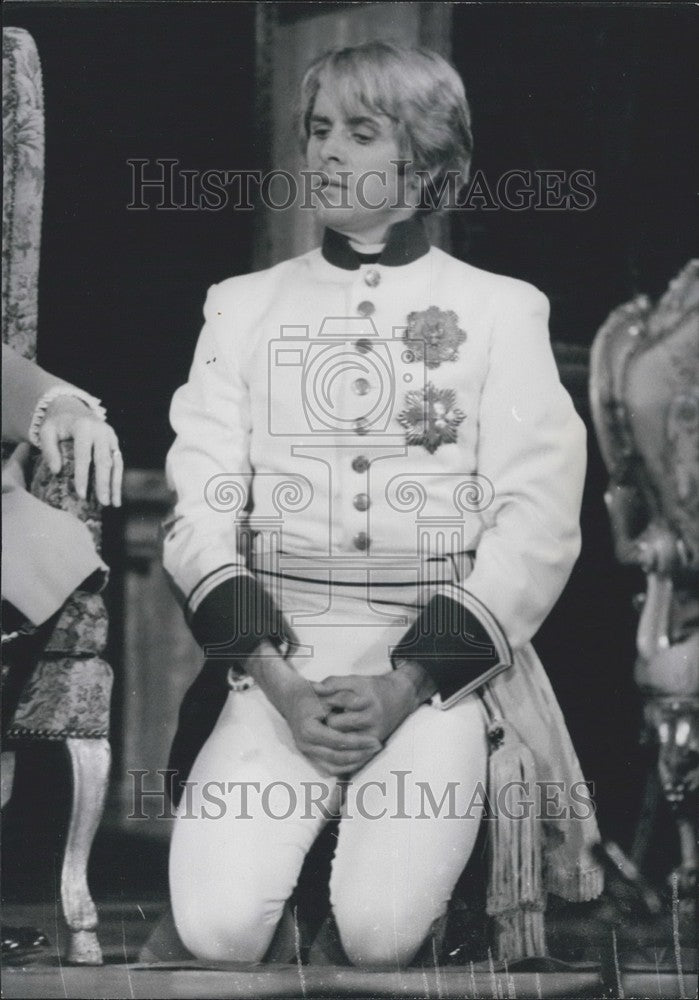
{"x":90,"y":759}
{"x":7,"y":763}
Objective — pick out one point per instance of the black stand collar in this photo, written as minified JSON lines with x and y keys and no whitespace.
{"x":407,"y":242}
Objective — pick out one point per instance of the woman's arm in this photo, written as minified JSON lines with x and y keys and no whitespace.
{"x":23,"y":386}
{"x":44,"y":410}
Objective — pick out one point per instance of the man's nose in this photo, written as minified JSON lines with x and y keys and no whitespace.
{"x":333,"y":148}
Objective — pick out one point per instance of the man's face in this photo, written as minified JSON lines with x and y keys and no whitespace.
{"x":359,"y":157}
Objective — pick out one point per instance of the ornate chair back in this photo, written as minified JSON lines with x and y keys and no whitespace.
{"x":644,"y":394}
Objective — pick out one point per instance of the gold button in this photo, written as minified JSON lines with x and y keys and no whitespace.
{"x":360,"y":425}
{"x":361,"y":541}
{"x":361,"y":501}
{"x":360,"y":463}
{"x":361,"y":386}
{"x":372,"y":278}
{"x":363,"y":345}
{"x":366,"y":308}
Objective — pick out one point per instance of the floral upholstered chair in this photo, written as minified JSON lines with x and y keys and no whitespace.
{"x":67,"y":696}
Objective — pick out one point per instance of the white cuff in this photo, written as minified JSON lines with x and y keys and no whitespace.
{"x":61,"y":390}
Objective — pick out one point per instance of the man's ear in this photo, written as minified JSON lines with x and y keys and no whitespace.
{"x":413,"y":184}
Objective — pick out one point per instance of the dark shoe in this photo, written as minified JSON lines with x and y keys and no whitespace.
{"x":431,"y":951}
{"x":21,"y":943}
{"x":327,"y":947}
{"x":285,"y":946}
{"x":164,"y":943}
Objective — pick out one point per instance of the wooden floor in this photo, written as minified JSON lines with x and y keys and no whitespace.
{"x":610,"y":951}
{"x":114,"y":982}
{"x":632,"y":962}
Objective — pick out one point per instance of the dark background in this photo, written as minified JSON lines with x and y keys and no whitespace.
{"x":605,"y":88}
{"x":121,"y":291}
{"x":608,"y":89}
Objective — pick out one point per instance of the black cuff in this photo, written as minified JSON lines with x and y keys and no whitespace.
{"x":235,"y":618}
{"x":452,"y":646}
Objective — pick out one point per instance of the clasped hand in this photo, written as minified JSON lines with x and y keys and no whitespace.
{"x":372,"y":705}
{"x":339,"y":723}
{"x":330,"y":749}
{"x":343,"y":721}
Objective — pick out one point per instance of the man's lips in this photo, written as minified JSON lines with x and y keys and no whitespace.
{"x":334,"y":183}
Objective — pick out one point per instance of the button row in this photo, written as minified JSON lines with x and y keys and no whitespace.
{"x":360,"y":463}
{"x":361,"y":541}
{"x":361,"y":386}
{"x":361,"y":426}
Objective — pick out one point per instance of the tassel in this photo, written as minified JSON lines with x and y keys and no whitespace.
{"x":515,"y":897}
{"x":582,"y":884}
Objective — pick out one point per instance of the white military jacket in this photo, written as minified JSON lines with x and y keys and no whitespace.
{"x":379,"y":414}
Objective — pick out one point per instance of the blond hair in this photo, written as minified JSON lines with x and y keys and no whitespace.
{"x":417,"y":88}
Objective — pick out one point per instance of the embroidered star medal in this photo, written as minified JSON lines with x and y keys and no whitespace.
{"x":434,"y":336}
{"x":430,"y":417}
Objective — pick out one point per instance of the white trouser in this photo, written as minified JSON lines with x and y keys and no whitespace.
{"x":402,"y":842}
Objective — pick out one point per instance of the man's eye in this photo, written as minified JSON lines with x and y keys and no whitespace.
{"x":363,"y":137}
{"x":319,"y":133}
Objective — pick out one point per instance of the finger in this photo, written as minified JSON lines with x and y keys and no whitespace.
{"x":334,"y":758}
{"x":48,"y":441}
{"x":337,"y":771}
{"x":350,"y":722}
{"x":323,"y":735}
{"x":347,"y":701}
{"x":117,"y":476}
{"x":82,"y":451}
{"x":318,"y":734}
{"x":344,"y":742}
{"x":290,"y":636}
{"x":337,"y":699}
{"x":334,"y":770}
{"x":339,"y":758}
{"x":102,"y":456}
{"x":333,"y":685}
